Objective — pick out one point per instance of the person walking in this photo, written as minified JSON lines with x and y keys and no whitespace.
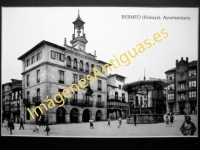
{"x":135,"y":118}
{"x":120,"y":122}
{"x":47,"y":128}
{"x":167,"y":120}
{"x":171,"y":119}
{"x":36,"y":127}
{"x":91,"y":124}
{"x":11,"y":125}
{"x":21,"y":124}
{"x":188,"y":128}
{"x":108,"y":121}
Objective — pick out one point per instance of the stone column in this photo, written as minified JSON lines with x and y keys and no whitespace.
{"x":80,"y":117}
{"x":67,"y":117}
{"x":92,"y":116}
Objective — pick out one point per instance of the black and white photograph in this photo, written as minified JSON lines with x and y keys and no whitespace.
{"x":99,"y":72}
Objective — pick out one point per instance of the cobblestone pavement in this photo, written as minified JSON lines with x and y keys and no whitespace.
{"x":102,"y":130}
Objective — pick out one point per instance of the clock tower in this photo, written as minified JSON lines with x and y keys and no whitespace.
{"x":78,"y":38}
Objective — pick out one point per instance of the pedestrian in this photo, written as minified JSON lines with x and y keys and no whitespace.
{"x":108,"y":121}
{"x":36,"y":127}
{"x":11,"y":125}
{"x":91,"y":124}
{"x":120,"y":122}
{"x":188,"y":128}
{"x":167,"y":120}
{"x":47,"y":129}
{"x":135,"y":118}
{"x":21,"y":124}
{"x":187,"y":115}
{"x":171,"y":119}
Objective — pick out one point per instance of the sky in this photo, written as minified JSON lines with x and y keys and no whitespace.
{"x":106,"y":32}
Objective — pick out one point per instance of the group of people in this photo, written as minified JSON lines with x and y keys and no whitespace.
{"x":169,"y":119}
{"x":9,"y":124}
{"x":46,"y":126}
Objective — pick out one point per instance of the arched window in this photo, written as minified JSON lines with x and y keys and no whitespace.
{"x":92,"y":66}
{"x":68,"y":61}
{"x":81,"y":65}
{"x":75,"y":63}
{"x":86,"y":67}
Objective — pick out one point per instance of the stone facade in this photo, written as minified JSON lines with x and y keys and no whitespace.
{"x":182,"y":89}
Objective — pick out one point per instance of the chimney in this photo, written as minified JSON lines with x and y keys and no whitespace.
{"x":65,"y":42}
{"x":181,"y":58}
{"x":94,"y":52}
{"x":187,"y":59}
{"x":177,"y":61}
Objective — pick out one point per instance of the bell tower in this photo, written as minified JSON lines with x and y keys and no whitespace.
{"x":78,"y":38}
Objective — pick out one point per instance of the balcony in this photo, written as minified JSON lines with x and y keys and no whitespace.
{"x":69,"y":65}
{"x":36,"y":99}
{"x":81,"y":103}
{"x":112,"y":97}
{"x":192,"y":99}
{"x":183,"y":79}
{"x":81,"y":69}
{"x":59,"y":99}
{"x":182,"y":90}
{"x":192,"y":87}
{"x":86,"y":70}
{"x":14,"y":109}
{"x":26,"y":101}
{"x":75,"y":67}
{"x":170,"y":100}
{"x":192,"y":77}
{"x":181,"y":100}
{"x":117,"y":105}
{"x":100,"y":104}
{"x":170,"y":80}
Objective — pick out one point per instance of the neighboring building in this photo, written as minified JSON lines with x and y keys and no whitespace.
{"x":117,"y":100}
{"x":49,"y":68}
{"x":182,"y":89}
{"x":11,"y":100}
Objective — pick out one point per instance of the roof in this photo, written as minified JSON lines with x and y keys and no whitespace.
{"x":193,"y":63}
{"x":148,"y":83}
{"x":102,"y":62}
{"x":117,"y":75}
{"x":171,"y":70}
{"x":112,"y":85}
{"x":39,"y":45}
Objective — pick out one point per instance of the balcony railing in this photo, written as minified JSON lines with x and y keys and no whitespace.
{"x":170,"y":80}
{"x":36,"y":99}
{"x":100,"y":104}
{"x":68,"y":65}
{"x":81,"y":103}
{"x":192,"y":77}
{"x":192,"y":98}
{"x":26,"y":101}
{"x":117,"y":105}
{"x":14,"y":108}
{"x":81,"y":69}
{"x":170,"y":100}
{"x":61,"y":81}
{"x":59,"y":99}
{"x":181,"y":99}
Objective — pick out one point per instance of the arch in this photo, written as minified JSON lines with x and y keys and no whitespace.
{"x":60,"y":115}
{"x":99,"y":115}
{"x":81,"y":65}
{"x":69,"y":61}
{"x":92,"y":66}
{"x":75,"y":64}
{"x":74,"y":114}
{"x":86,"y":115}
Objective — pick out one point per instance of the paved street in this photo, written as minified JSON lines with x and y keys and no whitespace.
{"x":102,"y":130}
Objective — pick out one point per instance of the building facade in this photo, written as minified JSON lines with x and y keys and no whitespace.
{"x":12,"y":100}
{"x":182,"y":89}
{"x":49,"y":68}
{"x":117,"y":100}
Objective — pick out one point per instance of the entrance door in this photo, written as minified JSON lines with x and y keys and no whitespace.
{"x":86,"y":115}
{"x":74,"y":115}
{"x":60,"y":115}
{"x":98,"y":115}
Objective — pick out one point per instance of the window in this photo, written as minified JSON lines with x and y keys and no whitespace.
{"x":39,"y":56}
{"x":75,"y":63}
{"x":192,"y":73}
{"x":192,"y":83}
{"x":170,"y":96}
{"x":28,"y":95}
{"x":86,"y":67}
{"x":119,"y":86}
{"x":61,"y":77}
{"x":68,"y":61}
{"x":87,"y":97}
{"x":81,"y":76}
{"x":38,"y":92}
{"x":75,"y":95}
{"x":116,"y":95}
{"x":33,"y":59}
{"x":170,"y":76}
{"x":38,"y":76}
{"x":99,"y":68}
{"x":28,"y":62}
{"x":182,"y":87}
{"x":92,"y":66}
{"x":99,"y":98}
{"x":171,"y":87}
{"x":75,"y":78}
{"x":99,"y":85}
{"x":57,"y":56}
{"x":123,"y":97}
{"x":192,"y":94}
{"x":182,"y":96}
{"x":27,"y":80}
{"x":81,"y":65}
